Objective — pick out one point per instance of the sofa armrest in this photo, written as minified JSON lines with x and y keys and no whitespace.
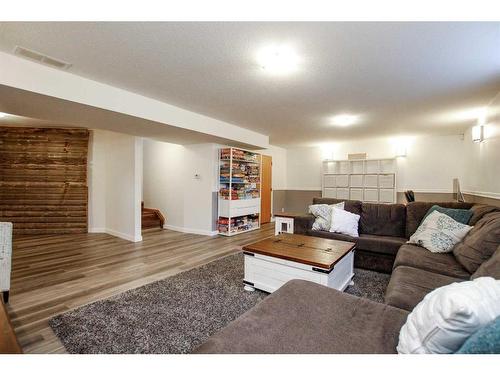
{"x":302,"y":223}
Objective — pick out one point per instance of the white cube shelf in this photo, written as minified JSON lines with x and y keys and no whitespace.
{"x":342,"y":180}
{"x":329,"y":181}
{"x":370,"y":195}
{"x":370,"y":180}
{"x":356,"y":194}
{"x":329,"y":193}
{"x":386,"y":181}
{"x":356,"y":180}
{"x":342,"y":193}
{"x":387,"y":195}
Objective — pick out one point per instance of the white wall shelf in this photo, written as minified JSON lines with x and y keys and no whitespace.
{"x":239,"y":191}
{"x":369,"y":180}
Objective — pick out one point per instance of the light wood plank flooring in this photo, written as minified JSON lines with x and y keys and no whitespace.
{"x":52,"y":274}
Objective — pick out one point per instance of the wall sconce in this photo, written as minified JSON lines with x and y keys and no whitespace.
{"x":400,"y":151}
{"x":478,"y":133}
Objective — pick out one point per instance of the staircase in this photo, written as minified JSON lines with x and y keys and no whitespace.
{"x":151,"y":218}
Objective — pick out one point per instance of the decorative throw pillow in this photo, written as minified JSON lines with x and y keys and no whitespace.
{"x":323,"y":213}
{"x":449,"y":315}
{"x":461,"y":215}
{"x":485,"y":341}
{"x":438,"y":233}
{"x":344,"y":222}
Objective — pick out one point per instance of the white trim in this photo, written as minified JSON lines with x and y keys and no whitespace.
{"x":116,"y":234}
{"x":304,"y":189}
{"x":193,"y":231}
{"x":97,"y":230}
{"x":444,"y":191}
{"x":485,"y":194}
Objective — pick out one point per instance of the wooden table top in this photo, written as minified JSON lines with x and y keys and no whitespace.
{"x":314,"y":251}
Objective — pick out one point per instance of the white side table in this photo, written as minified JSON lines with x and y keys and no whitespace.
{"x":283,"y":223}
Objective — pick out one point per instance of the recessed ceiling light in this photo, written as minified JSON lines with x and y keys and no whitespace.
{"x":344,"y":120}
{"x":2,"y":114}
{"x":278,"y":59}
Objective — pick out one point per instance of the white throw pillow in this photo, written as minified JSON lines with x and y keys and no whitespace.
{"x":439,"y":233}
{"x":344,"y":222}
{"x":447,"y":316}
{"x":323,"y":213}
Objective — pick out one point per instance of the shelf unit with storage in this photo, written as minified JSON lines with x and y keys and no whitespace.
{"x":367,"y":180}
{"x":239,"y":191}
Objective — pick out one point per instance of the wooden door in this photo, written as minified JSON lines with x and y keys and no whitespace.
{"x":266,"y":189}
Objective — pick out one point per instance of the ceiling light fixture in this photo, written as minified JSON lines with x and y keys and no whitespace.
{"x":278,"y":59}
{"x":2,"y":114}
{"x":344,"y":120}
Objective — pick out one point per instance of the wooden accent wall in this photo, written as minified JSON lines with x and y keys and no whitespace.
{"x":43,"y":179}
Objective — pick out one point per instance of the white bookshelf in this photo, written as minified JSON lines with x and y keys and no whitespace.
{"x":239,"y":191}
{"x":367,"y":180}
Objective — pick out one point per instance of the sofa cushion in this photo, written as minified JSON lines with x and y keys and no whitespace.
{"x":408,"y":286}
{"x":377,"y":244}
{"x":303,"y":223}
{"x":415,"y":212}
{"x":380,"y":244}
{"x":383,"y":219}
{"x":304,"y":317}
{"x":491,"y":267}
{"x":480,"y":244}
{"x":350,"y":205}
{"x":419,"y":257}
{"x":331,"y":235}
{"x":479,"y":210}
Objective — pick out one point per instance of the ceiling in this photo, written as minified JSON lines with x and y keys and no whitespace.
{"x":399,"y":78}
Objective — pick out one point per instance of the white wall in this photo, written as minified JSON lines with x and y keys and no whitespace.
{"x":170,"y":184}
{"x":279,"y":177}
{"x":115,"y":184}
{"x":430,"y":165}
{"x":482,"y":160}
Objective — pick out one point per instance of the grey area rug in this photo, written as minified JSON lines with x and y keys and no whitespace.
{"x":176,"y":314}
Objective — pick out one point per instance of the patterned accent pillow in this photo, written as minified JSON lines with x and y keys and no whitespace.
{"x":323,"y":213}
{"x":439,"y":233}
{"x":461,"y":215}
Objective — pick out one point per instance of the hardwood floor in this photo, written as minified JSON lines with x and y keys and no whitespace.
{"x":52,"y":274}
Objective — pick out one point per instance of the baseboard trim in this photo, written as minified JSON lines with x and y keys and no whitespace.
{"x":190,"y":230}
{"x":115,"y":233}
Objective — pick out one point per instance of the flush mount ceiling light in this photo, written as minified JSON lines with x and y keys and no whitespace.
{"x":344,"y":120}
{"x":278,"y":59}
{"x":2,"y":114}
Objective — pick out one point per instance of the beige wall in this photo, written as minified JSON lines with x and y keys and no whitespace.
{"x":115,"y":184}
{"x":482,"y":160}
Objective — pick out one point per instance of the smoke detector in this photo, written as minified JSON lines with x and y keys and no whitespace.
{"x":41,"y":58}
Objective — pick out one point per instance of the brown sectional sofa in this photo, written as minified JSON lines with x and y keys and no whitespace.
{"x":383,"y":228}
{"x":302,"y":317}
